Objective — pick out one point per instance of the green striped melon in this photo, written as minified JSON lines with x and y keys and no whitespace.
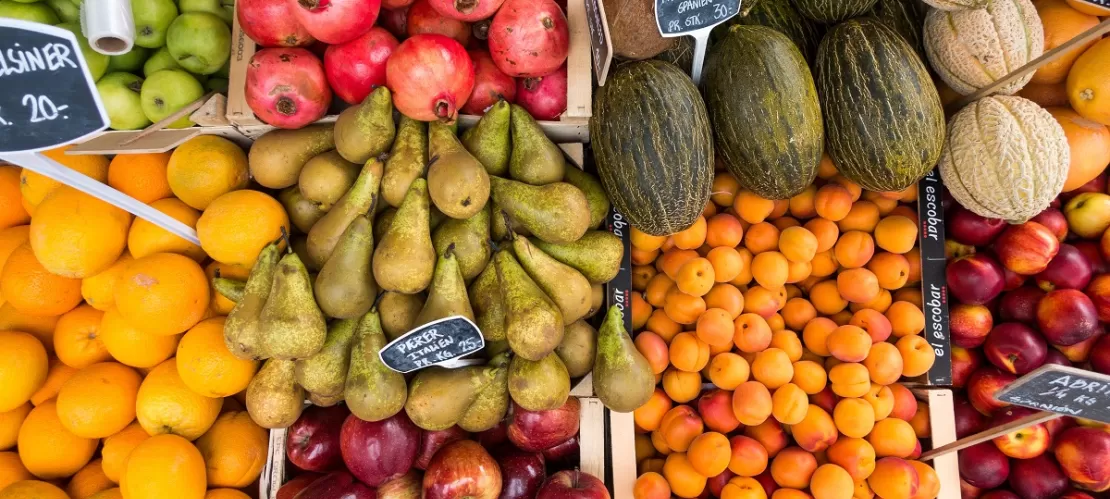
{"x":956,"y":4}
{"x":833,"y":11}
{"x":906,"y":17}
{"x":970,"y":49}
{"x":884,"y":125}
{"x":653,"y":146}
{"x":1005,"y":157}
{"x":763,"y":107}
{"x":781,"y":16}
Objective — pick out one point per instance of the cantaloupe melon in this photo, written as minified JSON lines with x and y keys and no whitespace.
{"x":953,"y":5}
{"x":1005,"y":157}
{"x":971,"y":49}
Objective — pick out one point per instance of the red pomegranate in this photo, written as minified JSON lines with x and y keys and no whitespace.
{"x":271,"y":24}
{"x":490,"y":84}
{"x":423,"y":19}
{"x":544,"y":97}
{"x":286,"y":87}
{"x":431,"y":77}
{"x":336,"y":21}
{"x":467,"y":10}
{"x":529,"y":38}
{"x":356,"y":67}
{"x":395,"y":21}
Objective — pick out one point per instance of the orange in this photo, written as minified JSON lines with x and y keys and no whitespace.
{"x":58,"y":374}
{"x":205,"y":168}
{"x":32,"y":489}
{"x":76,"y":235}
{"x":205,"y":364}
{"x":166,"y":405}
{"x":162,"y":294}
{"x":1061,"y":23}
{"x":10,"y":421}
{"x":99,"y":290}
{"x":146,"y":238}
{"x":112,"y":493}
{"x":90,"y":480}
{"x":12,"y":212}
{"x":77,"y":338}
{"x":12,"y":470}
{"x":32,"y":289}
{"x":1089,"y":143}
{"x":23,"y":368}
{"x":234,"y":450}
{"x":164,"y":467}
{"x":35,"y":187}
{"x":896,"y":234}
{"x":118,"y":447}
{"x":47,"y":449}
{"x":132,"y":347}
{"x":236,"y":226}
{"x":10,"y":239}
{"x":141,"y":176}
{"x":99,"y":400}
{"x":221,"y":304}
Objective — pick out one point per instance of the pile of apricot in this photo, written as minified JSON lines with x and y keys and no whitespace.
{"x":779,"y":332}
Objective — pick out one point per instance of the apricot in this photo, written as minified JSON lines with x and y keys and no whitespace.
{"x":761,"y":237}
{"x":914,"y":259}
{"x":905,"y":318}
{"x":824,"y":264}
{"x":920,"y":421}
{"x":727,"y":370}
{"x":816,"y":431}
{"x":715,"y":408}
{"x":663,"y":326}
{"x":751,"y":333}
{"x":688,"y":353}
{"x":782,"y":206}
{"x":784,"y":493}
{"x":826,"y":298}
{"x":751,"y":402}
{"x":904,"y":404}
{"x":842,"y":318}
{"x":797,"y":244}
{"x":787,"y":341}
{"x":917,"y":355}
{"x":825,"y":231}
{"x":862,"y":490}
{"x":928,"y":484}
{"x":762,"y":301}
{"x":683,"y":308}
{"x":849,"y":343}
{"x":880,"y":304}
{"x":893,"y":437}
{"x":833,"y":202}
{"x":874,"y":322}
{"x":853,"y":188}
{"x":893,"y":478}
{"x":692,"y":237}
{"x":654,"y":349}
{"x":696,"y":277}
{"x":770,"y":269}
{"x":816,"y":333}
{"x":641,"y":276}
{"x":751,"y":207}
{"x":854,"y":249}
{"x":863,"y":216}
{"x":809,"y":376}
{"x":685,"y":481}
{"x":776,"y":323}
{"x":773,"y":368}
{"x":798,"y":272}
{"x":891,"y":270}
{"x":659,"y":443}
{"x":826,"y":169}
{"x":657,"y":288}
{"x":653,"y":465}
{"x":743,"y":488}
{"x":884,"y":363}
{"x":749,"y":457}
{"x":855,"y":455}
{"x":649,"y":416}
{"x":797,"y":313}
{"x":769,"y":434}
{"x":857,"y":285}
{"x":727,"y":263}
{"x":745,"y":276}
{"x":802,"y":203}
{"x":724,"y":230}
{"x":709,"y":453}
{"x":854,"y":417}
{"x":896,"y":234}
{"x":825,"y":399}
{"x":726,"y":297}
{"x":651,"y":485}
{"x":681,"y":386}
{"x":714,"y":327}
{"x":881,"y":399}
{"x":849,"y":379}
{"x":641,"y":257}
{"x":830,"y":481}
{"x":671,"y":261}
{"x":724,"y":189}
{"x":793,"y":468}
{"x":680,"y":426}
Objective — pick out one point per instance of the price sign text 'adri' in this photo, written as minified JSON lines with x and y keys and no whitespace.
{"x":1062,"y":390}
{"x":434,"y":343}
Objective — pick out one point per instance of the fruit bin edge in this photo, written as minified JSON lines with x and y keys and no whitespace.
{"x":573,"y":126}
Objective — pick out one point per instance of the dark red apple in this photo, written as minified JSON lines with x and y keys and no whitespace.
{"x":1015,"y":348}
{"x":975,"y":279}
{"x":969,"y":491}
{"x":1084,"y":455}
{"x":377,"y":452}
{"x":1020,"y":305}
{"x":1075,"y":494}
{"x":462,"y":469}
{"x":1099,"y":293}
{"x":1094,"y":255}
{"x":297,"y":484}
{"x":407,"y":486}
{"x":337,"y":485}
{"x":1054,"y":356}
{"x":999,"y":494}
{"x":964,"y":362}
{"x":493,"y":437}
{"x":431,"y":441}
{"x":1066,"y":317}
{"x":968,"y":420}
{"x":1069,"y":270}
{"x":563,"y":454}
{"x":522,"y":474}
{"x":970,"y":324}
{"x":983,"y":384}
{"x":1100,"y":355}
{"x":312,"y":443}
{"x":574,"y":485}
{"x":1079,"y":352}
{"x":971,"y":229}
{"x":984,"y":466}
{"x":1055,"y":426}
{"x":1054,"y":220}
{"x":1026,"y":248}
{"x":537,"y":430}
{"x":1038,"y":478}
{"x":1012,"y":280}
{"x":717,"y":483}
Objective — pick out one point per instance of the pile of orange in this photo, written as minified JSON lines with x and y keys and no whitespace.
{"x":114,"y":377}
{"x":779,"y":332}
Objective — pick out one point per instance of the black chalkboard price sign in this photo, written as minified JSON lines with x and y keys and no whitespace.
{"x":694,"y":18}
{"x":1062,"y":390}
{"x":48,"y":97}
{"x":435,"y":343}
{"x":1099,"y":3}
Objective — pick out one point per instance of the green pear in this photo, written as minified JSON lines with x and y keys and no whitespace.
{"x":407,"y":161}
{"x":345,"y":287}
{"x":439,"y":397}
{"x":404,"y":260}
{"x":366,"y":131}
{"x":242,"y":331}
{"x":595,"y":194}
{"x":567,"y":287}
{"x":292,"y":325}
{"x":540,"y":385}
{"x":470,"y":238}
{"x":535,"y":158}
{"x":533,"y":323}
{"x":556,"y":213}
{"x":578,"y":349}
{"x":489,"y":310}
{"x":489,"y":139}
{"x":274,"y":400}
{"x":623,"y":379}
{"x":492,"y":403}
{"x":457,"y":183}
{"x":358,"y":200}
{"x":597,"y":254}
{"x":373,"y":391}
{"x":324,"y":373}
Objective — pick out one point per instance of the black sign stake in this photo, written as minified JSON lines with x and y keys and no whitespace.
{"x":436,"y":343}
{"x":694,"y":18}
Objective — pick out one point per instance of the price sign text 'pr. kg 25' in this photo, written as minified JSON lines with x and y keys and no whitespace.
{"x":434,"y":343}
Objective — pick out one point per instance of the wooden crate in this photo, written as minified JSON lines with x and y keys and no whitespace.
{"x":572,"y":127}
{"x":941,"y":418}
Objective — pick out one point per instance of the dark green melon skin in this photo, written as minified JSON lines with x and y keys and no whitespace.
{"x":780,"y":16}
{"x":653,"y":147}
{"x":833,"y":11}
{"x":884,"y":124}
{"x":907,"y":17}
{"x":763,"y":107}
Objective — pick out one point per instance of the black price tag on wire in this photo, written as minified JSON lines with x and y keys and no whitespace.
{"x":436,"y":343}
{"x":1062,"y":390}
{"x":694,"y":18}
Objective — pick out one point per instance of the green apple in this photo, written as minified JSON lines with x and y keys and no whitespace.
{"x":216,"y":85}
{"x":34,"y":12}
{"x":225,"y":70}
{"x":210,"y":6}
{"x":120,"y":94}
{"x":200,"y":42}
{"x":159,"y":60}
{"x":131,"y":62}
{"x":152,"y":19}
{"x":27,"y":1}
{"x":1088,"y":214}
{"x":67,"y":11}
{"x":166,"y":91}
{"x":98,"y":63}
